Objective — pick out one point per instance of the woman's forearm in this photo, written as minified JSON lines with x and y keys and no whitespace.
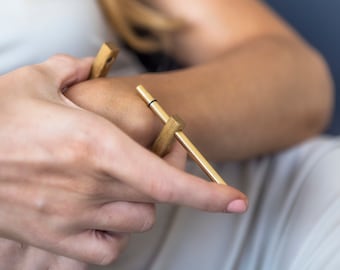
{"x":253,"y":85}
{"x":255,"y":99}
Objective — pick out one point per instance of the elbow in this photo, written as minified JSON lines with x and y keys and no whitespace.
{"x":321,"y":95}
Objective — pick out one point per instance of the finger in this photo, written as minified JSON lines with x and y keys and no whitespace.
{"x":120,"y":217}
{"x":10,"y":254}
{"x":38,"y":259}
{"x":111,"y":190}
{"x":152,"y":176}
{"x":64,"y":263}
{"x":65,"y":70}
{"x":177,"y":156}
{"x":94,"y":247}
{"x":13,"y":255}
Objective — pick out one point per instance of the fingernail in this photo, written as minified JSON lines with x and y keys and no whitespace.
{"x":237,"y":206}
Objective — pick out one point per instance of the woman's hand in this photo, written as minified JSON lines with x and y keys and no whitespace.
{"x":74,"y":184}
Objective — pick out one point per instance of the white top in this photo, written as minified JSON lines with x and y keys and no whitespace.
{"x":33,"y":30}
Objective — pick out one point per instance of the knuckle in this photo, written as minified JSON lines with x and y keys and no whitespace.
{"x":162,"y":192}
{"x":108,"y":252}
{"x":66,"y":66}
{"x":41,"y":205}
{"x":149,"y":218}
{"x":88,"y":188}
{"x":106,"y":257}
{"x":78,"y":146}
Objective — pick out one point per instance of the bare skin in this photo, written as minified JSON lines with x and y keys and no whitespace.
{"x":64,"y":171}
{"x":252,"y":86}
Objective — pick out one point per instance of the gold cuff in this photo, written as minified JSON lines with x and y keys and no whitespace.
{"x":165,"y":139}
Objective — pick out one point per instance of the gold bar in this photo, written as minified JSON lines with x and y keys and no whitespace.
{"x":102,"y":63}
{"x":166,"y":137}
{"x":152,"y":103}
{"x":181,"y":137}
{"x":199,"y":158}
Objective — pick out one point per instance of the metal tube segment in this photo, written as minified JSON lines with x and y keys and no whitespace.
{"x":181,"y":137}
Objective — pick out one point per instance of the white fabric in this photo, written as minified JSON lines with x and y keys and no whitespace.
{"x":33,"y":30}
{"x":293,"y":221}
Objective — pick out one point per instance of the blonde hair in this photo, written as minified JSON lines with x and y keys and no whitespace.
{"x":129,"y":16}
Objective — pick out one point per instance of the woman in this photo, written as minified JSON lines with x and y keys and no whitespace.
{"x":253,"y":65}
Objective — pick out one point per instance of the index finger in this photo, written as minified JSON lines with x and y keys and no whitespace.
{"x":149,"y":174}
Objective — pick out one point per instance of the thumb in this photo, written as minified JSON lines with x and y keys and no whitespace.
{"x":64,"y":70}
